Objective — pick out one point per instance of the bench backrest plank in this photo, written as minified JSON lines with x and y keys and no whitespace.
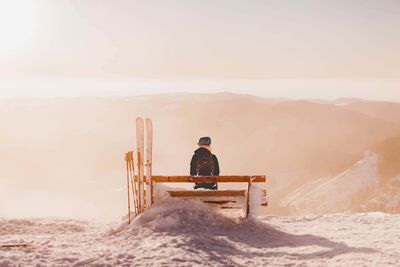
{"x":210,"y":179}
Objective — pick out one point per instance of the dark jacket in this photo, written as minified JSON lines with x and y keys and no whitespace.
{"x":199,"y":152}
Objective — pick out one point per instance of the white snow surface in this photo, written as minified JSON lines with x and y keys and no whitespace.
{"x":189,"y":233}
{"x":335,"y":194}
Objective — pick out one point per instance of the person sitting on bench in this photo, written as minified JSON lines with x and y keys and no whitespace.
{"x":204,"y":163}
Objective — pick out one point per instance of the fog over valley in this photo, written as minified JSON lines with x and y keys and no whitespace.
{"x":64,"y":156}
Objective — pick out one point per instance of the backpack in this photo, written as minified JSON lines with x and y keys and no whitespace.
{"x":205,"y":165}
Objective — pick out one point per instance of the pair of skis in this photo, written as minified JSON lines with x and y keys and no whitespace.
{"x":142,"y":186}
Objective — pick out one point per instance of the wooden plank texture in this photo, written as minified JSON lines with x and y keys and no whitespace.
{"x":208,"y":193}
{"x":219,"y":202}
{"x":210,"y":179}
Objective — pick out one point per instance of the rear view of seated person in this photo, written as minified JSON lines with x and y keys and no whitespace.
{"x":204,"y":163}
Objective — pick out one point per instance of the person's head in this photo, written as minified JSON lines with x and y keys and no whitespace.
{"x":204,"y":141}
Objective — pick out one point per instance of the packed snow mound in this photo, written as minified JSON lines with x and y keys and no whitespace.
{"x":188,"y":232}
{"x":172,"y":214}
{"x":188,"y":216}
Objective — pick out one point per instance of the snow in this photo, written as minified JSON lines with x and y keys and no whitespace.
{"x":394,"y":200}
{"x":335,"y":194}
{"x":189,"y":233}
{"x":386,"y":197}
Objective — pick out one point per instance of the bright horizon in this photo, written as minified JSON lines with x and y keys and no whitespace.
{"x":279,"y":49}
{"x":326,"y":89}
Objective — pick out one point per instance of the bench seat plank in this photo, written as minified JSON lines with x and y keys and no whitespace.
{"x":208,"y":193}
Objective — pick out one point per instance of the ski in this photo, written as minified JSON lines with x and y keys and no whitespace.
{"x":14,"y":245}
{"x":140,"y":164}
{"x":127,"y":160}
{"x":149,"y":151}
{"x":134,"y":182}
{"x":30,"y":244}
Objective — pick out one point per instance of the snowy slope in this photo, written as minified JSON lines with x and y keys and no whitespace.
{"x":384,"y":197}
{"x":187,"y":233}
{"x":336,"y":194}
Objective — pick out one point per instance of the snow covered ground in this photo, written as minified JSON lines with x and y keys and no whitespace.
{"x":187,"y":233}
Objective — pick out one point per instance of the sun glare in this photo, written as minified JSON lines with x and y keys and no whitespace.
{"x":18,"y":21}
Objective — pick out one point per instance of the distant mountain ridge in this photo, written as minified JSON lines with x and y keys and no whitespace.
{"x":72,"y":146}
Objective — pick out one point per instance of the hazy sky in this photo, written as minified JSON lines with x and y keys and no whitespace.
{"x":341,"y":48}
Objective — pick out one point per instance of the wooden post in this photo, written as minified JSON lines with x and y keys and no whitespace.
{"x":248,"y":197}
{"x":152,"y":191}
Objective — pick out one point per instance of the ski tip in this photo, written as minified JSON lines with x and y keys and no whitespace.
{"x":139,"y":120}
{"x":149,"y":123}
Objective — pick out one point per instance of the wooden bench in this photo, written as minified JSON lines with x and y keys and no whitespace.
{"x":141,"y":182}
{"x":215,"y":197}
